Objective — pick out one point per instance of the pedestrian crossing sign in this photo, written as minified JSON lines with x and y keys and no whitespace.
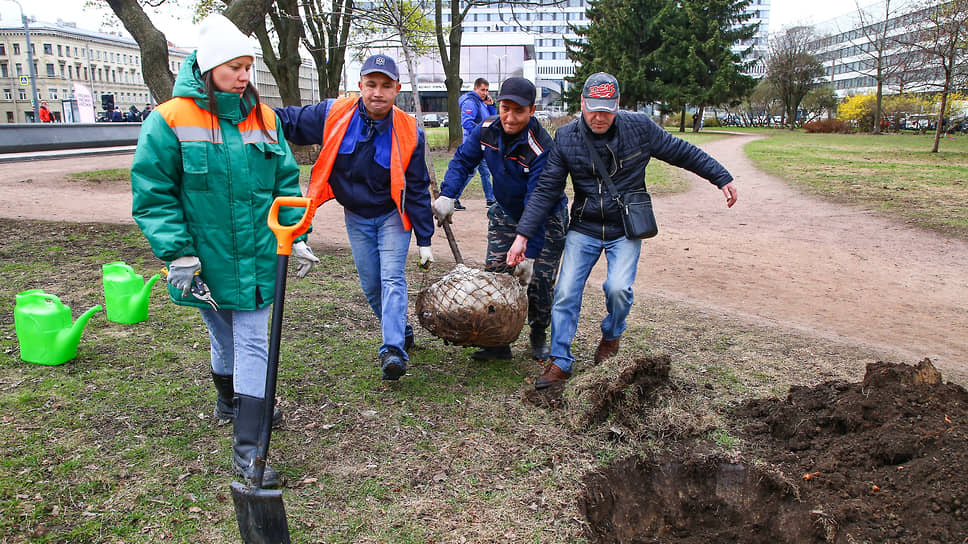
{"x":24,"y":80}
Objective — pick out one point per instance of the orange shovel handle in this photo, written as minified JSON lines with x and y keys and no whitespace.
{"x":285,"y":234}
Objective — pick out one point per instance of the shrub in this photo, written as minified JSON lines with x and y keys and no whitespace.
{"x":826,"y":126}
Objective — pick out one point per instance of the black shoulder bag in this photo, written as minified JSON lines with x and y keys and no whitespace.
{"x":636,"y":206}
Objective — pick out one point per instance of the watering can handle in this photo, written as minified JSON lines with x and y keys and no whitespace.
{"x":285,"y":234}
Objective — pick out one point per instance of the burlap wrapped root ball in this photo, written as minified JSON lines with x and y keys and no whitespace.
{"x":470,"y":307}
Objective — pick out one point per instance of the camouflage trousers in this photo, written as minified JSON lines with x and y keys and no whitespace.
{"x":501,"y":232}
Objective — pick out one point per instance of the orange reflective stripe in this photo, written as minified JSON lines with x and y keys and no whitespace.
{"x":404,"y":142}
{"x":191,"y":123}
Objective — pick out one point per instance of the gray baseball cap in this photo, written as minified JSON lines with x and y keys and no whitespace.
{"x":601,"y":92}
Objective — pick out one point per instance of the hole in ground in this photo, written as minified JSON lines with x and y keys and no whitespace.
{"x":695,"y":501}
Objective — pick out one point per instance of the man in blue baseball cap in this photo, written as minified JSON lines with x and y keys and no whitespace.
{"x":515,"y":147}
{"x":624,"y":142}
{"x":372,"y":162}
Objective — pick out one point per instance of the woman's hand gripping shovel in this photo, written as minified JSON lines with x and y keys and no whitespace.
{"x":260,"y":512}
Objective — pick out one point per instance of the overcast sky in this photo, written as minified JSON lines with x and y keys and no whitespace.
{"x":176,"y":22}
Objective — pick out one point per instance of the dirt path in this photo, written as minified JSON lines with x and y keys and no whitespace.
{"x":778,"y":257}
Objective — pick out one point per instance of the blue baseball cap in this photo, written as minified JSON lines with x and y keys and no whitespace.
{"x":382,"y":64}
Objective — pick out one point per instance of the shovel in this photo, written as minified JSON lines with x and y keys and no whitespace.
{"x":260,"y":512}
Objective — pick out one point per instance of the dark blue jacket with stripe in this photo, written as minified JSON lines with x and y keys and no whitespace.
{"x":515,"y":168}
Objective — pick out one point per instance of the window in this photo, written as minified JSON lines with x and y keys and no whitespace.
{"x":60,"y":50}
{"x":16,"y":49}
{"x":22,"y":94}
{"x":50,"y":70}
{"x":70,"y":72}
{"x":20,"y":69}
{"x":3,"y":70}
{"x":62,"y":71}
{"x":52,"y":94}
{"x":48,"y":49}
{"x":3,"y":49}
{"x":7,"y":94}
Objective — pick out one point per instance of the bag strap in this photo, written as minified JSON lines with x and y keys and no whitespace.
{"x":601,"y":169}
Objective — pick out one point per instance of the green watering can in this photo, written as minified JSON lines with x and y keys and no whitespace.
{"x":126,"y":293}
{"x":44,"y":329}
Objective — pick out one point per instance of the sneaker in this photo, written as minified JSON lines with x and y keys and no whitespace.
{"x":493,"y":354}
{"x":458,"y":205}
{"x":392,"y":363}
{"x":490,"y":203}
{"x":408,"y":341}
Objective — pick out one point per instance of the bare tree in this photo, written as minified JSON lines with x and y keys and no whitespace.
{"x":283,"y":60}
{"x":402,"y":22}
{"x":328,"y":24}
{"x":883,"y":58}
{"x":792,"y":69}
{"x":246,"y":14}
{"x":941,"y":37}
{"x":449,"y":44}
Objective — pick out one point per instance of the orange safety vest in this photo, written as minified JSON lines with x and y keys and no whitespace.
{"x":403,"y":138}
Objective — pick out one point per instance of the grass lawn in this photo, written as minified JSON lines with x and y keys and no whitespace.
{"x":894,"y":173}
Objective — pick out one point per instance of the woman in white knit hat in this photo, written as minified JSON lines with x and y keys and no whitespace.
{"x":208,"y":165}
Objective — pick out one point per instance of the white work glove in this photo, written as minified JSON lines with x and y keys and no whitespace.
{"x":443,"y":209}
{"x":524,"y":270}
{"x":182,"y":271}
{"x":426,"y":256}
{"x":306,"y":259}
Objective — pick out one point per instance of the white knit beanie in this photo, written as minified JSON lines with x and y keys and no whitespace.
{"x":220,"y":41}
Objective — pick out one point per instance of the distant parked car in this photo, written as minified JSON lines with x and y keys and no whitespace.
{"x":444,"y":121}
{"x":432,"y":120}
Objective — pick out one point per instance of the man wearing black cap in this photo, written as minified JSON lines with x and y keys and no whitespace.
{"x":515,"y":148}
{"x":625,"y":142}
{"x":372,"y":162}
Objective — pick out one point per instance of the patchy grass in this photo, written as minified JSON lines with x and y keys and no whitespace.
{"x":894,"y":173}
{"x":101,"y":176}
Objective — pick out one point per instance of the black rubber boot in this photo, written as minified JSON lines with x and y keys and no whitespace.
{"x":247,"y":424}
{"x":539,"y":345}
{"x":493,"y":354}
{"x":224,"y":411}
{"x":224,"y":406}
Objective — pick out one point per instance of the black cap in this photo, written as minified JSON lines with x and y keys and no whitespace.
{"x":382,"y":64}
{"x":518,"y":90}
{"x":601,"y":92}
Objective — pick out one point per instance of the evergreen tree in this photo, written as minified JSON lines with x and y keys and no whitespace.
{"x":674,"y":52}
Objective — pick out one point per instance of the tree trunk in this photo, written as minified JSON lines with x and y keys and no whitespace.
{"x":284,"y":67}
{"x":153,"y":45}
{"x":450,"y":59}
{"x":246,"y":14}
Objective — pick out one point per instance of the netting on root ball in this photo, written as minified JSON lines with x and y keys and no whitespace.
{"x":470,"y":307}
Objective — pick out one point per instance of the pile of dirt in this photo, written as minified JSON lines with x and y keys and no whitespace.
{"x":882,"y":460}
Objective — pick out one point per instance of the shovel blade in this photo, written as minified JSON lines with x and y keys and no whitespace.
{"x":261,"y":515}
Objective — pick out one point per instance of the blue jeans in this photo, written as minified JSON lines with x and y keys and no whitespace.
{"x":240,"y":347}
{"x":485,"y":181}
{"x":380,"y":248}
{"x":580,"y":255}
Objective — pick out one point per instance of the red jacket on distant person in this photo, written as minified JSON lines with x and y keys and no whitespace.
{"x":45,"y":116}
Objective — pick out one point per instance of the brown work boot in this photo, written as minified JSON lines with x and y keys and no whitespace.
{"x":606,"y":349}
{"x":552,"y":374}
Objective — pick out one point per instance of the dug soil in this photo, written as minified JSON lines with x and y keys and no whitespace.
{"x":881,"y":460}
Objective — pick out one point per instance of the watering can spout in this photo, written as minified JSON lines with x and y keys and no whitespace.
{"x":68,"y":339}
{"x":141,"y":300}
